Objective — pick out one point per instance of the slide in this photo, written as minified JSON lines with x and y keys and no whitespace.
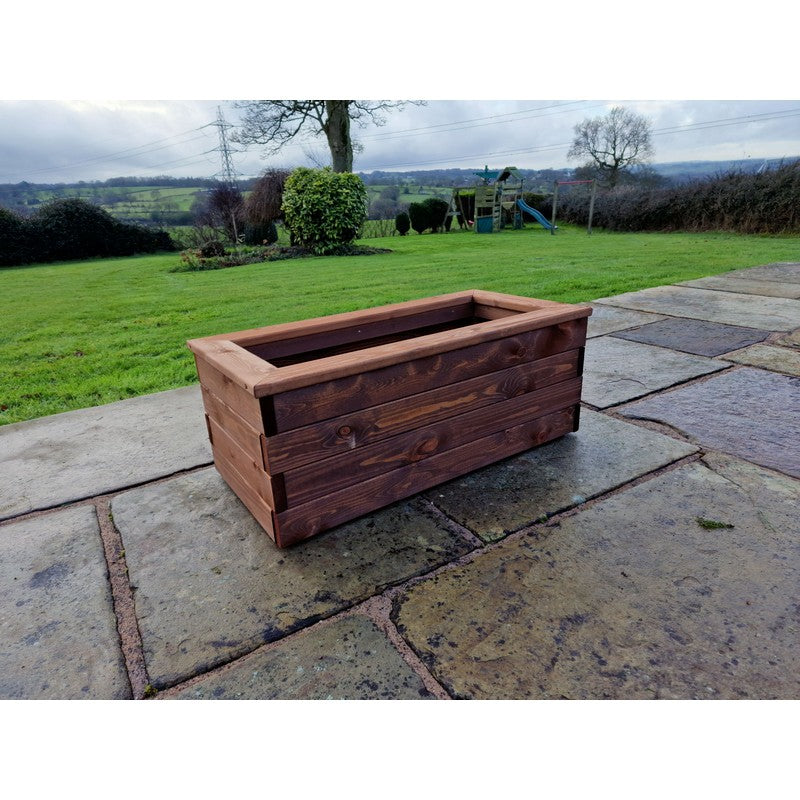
{"x":537,"y":215}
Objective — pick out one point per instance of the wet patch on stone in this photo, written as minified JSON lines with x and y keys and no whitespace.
{"x":775,"y":359}
{"x":728,"y":308}
{"x":211,"y":585}
{"x":616,"y":370}
{"x":747,"y":412}
{"x":349,"y":659}
{"x":603,"y":454}
{"x":630,"y":599}
{"x":695,"y":336}
{"x":57,"y":624}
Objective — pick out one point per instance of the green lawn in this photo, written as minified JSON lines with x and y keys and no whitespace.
{"x":79,"y":334}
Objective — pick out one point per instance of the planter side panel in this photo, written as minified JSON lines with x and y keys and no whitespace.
{"x":311,"y":404}
{"x":333,"y":509}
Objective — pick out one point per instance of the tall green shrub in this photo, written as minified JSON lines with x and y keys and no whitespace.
{"x":324,"y":209}
{"x":13,"y":239}
{"x":402,"y":223}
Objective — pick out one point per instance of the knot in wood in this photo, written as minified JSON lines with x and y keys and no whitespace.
{"x":344,"y":431}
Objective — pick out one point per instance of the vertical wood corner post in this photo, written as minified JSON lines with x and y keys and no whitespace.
{"x":314,"y":423}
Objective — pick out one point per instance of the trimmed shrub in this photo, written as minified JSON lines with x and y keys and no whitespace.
{"x":14,"y":247}
{"x":402,"y":223}
{"x":260,"y":233}
{"x":418,"y":216}
{"x":428,"y":214}
{"x":72,"y":229}
{"x":324,"y":209}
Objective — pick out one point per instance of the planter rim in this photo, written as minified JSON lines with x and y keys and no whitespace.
{"x":227,"y":353}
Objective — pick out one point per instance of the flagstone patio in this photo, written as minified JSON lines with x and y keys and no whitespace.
{"x":655,"y":553}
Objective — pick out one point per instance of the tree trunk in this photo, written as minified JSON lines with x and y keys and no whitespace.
{"x":337,"y":129}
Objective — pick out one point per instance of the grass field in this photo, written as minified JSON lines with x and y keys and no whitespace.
{"x":79,"y":334}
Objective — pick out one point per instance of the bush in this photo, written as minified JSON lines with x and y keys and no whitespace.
{"x":402,"y":223}
{"x":72,"y":229}
{"x":418,"y":217}
{"x":767,"y":202}
{"x":263,"y":204}
{"x":14,"y":248}
{"x":324,"y":209}
{"x":211,"y":249}
{"x":429,"y":213}
{"x":260,"y":233}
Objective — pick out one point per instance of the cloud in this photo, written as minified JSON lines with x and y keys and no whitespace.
{"x":67,"y":140}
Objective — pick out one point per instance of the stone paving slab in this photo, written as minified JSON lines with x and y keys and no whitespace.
{"x":350,"y":659}
{"x":729,"y":308}
{"x":629,"y":599}
{"x":790,"y":339}
{"x":694,"y":336}
{"x":604,"y":454}
{"x":765,"y":288}
{"x":66,"y":457}
{"x":775,"y":359}
{"x":747,"y":412}
{"x":607,"y":319}
{"x":616,"y":370}
{"x":211,"y":585}
{"x":781,"y":271}
{"x":57,"y":624}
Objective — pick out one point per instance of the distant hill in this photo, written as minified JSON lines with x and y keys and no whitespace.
{"x":166,"y":200}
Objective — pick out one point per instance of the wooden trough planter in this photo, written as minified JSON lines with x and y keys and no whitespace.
{"x":317,"y":422}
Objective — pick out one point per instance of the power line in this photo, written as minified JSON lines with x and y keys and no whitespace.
{"x":449,"y":125}
{"x":126,"y":151}
{"x":689,"y":127}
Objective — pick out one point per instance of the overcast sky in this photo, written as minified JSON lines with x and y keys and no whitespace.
{"x":574,"y":62}
{"x":59,"y":141}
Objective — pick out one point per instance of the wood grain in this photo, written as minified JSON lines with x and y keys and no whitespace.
{"x":252,"y":500}
{"x":344,"y":395}
{"x":232,"y":394}
{"x":267,"y":487}
{"x":322,"y":477}
{"x":353,"y":430}
{"x":360,"y":337}
{"x":353,"y":363}
{"x":245,"y":435}
{"x":296,"y":524}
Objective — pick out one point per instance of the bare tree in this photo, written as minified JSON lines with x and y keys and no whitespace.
{"x":274,"y":123}
{"x":612,"y":143}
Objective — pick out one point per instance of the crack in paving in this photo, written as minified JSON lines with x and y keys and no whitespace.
{"x":123,"y":601}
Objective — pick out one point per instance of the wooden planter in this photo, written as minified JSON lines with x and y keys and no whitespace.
{"x":317,"y":422}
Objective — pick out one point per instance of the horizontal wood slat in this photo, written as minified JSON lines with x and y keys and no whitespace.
{"x":353,"y":430}
{"x":290,"y":330}
{"x":347,"y":364}
{"x":322,"y":477}
{"x":246,"y":436}
{"x":269,"y":488}
{"x":307,"y":520}
{"x":360,"y":337}
{"x":254,"y":503}
{"x":230,"y":393}
{"x":334,"y":398}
